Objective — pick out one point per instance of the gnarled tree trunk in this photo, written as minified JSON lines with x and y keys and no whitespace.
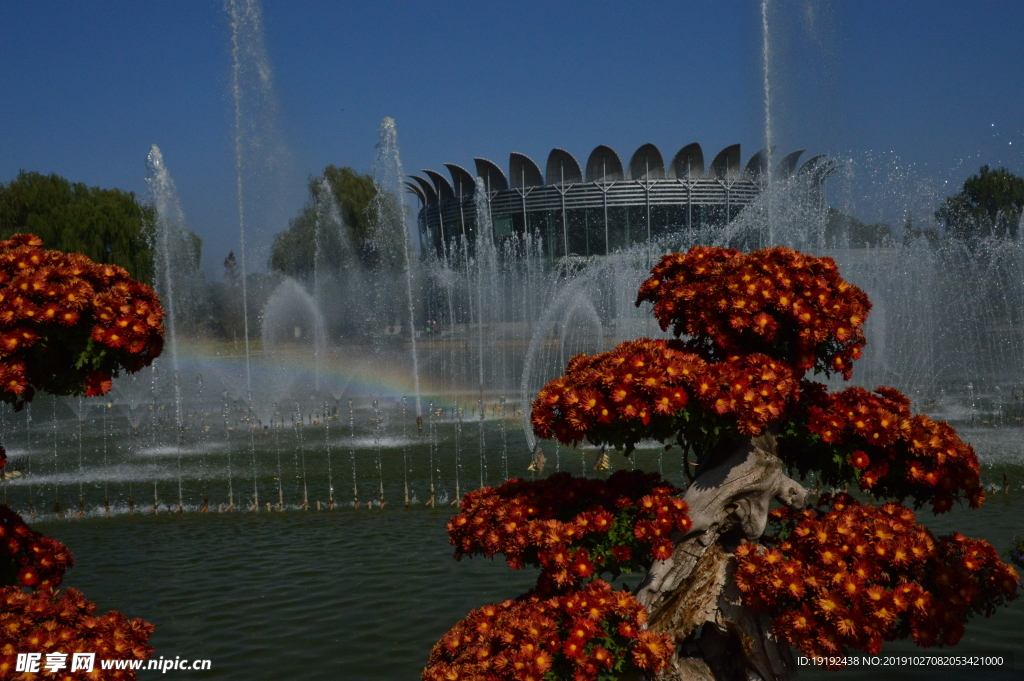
{"x":693,"y":591}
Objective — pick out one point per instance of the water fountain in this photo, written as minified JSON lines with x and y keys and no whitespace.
{"x":478,"y":318}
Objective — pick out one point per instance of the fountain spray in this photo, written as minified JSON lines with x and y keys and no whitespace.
{"x":81,"y":461}
{"x":203,"y":472}
{"x":405,"y":453}
{"x":56,"y":485}
{"x":458,"y":445}
{"x":297,"y":424}
{"x":276,"y":424}
{"x":227,"y":436}
{"x":28,"y":459}
{"x":390,"y":211}
{"x":327,"y":443}
{"x":352,"y":454}
{"x":106,"y":497}
{"x":504,"y":441}
{"x":430,"y":450}
{"x":376,"y":445}
{"x":483,"y":455}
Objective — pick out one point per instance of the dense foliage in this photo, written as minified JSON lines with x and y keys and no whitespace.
{"x":988,"y":205}
{"x":340,"y":201}
{"x":106,"y":225}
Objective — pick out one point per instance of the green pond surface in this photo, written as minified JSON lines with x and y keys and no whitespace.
{"x":362,"y":594}
{"x":352,"y":594}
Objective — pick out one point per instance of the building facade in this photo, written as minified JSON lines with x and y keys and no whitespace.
{"x":604,"y":207}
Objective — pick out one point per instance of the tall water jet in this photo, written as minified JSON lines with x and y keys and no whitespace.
{"x":327,"y":444}
{"x":257,"y":150}
{"x":56,"y":473}
{"x":332,"y":251}
{"x":352,"y":454}
{"x":430,"y":443}
{"x":392,"y":232}
{"x":297,"y":424}
{"x":376,"y":446}
{"x":175,"y":259}
{"x":482,"y":445}
{"x":277,"y":423}
{"x":80,"y":413}
{"x":405,"y":453}
{"x":203,"y":470}
{"x":486,"y":272}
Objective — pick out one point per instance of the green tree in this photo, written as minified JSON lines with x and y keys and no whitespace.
{"x":107,"y":225}
{"x":989,"y":204}
{"x":346,"y":219}
{"x":845,"y":230}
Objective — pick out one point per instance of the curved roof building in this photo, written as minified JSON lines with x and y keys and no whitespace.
{"x":596,"y":208}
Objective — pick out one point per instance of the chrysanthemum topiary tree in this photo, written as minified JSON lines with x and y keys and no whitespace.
{"x":721,"y":599}
{"x":67,"y":326}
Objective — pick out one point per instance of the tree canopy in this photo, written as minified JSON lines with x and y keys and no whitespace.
{"x":340,"y":198}
{"x":106,"y":225}
{"x":989,"y":204}
{"x":845,"y":230}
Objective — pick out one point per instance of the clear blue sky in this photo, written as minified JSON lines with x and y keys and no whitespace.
{"x":87,"y":87}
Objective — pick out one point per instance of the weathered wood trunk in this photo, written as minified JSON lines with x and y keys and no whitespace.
{"x":692,"y":595}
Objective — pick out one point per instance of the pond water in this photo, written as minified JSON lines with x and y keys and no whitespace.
{"x":364,"y":593}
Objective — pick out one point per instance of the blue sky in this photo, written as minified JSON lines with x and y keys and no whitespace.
{"x":87,"y":87}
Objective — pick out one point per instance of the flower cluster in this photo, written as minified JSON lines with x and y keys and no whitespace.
{"x":65,"y":622}
{"x":643,"y":389}
{"x":594,"y":633}
{"x":68,"y":324}
{"x":891,"y":453}
{"x":754,"y":389}
{"x":777,"y":301}
{"x":572,"y":528}
{"x":850,"y":575}
{"x":37,"y":561}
